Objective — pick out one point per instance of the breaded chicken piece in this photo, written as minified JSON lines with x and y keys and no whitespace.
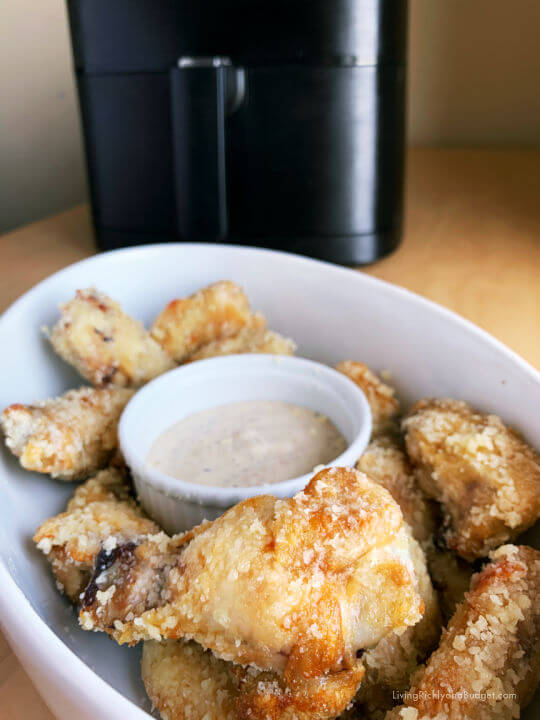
{"x":381,"y":397}
{"x":68,"y":437}
{"x":253,"y":338}
{"x":100,"y":519}
{"x":214,"y":313}
{"x":487,"y":665}
{"x":104,"y":344}
{"x":390,"y":664}
{"x":485,"y":476}
{"x":296,"y":586}
{"x":186,"y":682}
{"x":386,"y":462}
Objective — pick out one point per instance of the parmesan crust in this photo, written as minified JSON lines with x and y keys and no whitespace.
{"x":213,"y":314}
{"x":486,"y":478}
{"x":69,"y":437}
{"x":186,"y":682}
{"x":104,"y":344}
{"x":381,"y":397}
{"x":253,"y":338}
{"x":100,"y":517}
{"x":487,"y":665}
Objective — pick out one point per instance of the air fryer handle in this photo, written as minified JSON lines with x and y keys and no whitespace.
{"x":198,"y":98}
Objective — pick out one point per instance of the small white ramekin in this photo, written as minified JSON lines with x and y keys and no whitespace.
{"x":178,"y":505}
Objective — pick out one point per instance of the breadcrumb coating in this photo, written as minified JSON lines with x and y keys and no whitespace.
{"x":386,"y":462}
{"x":381,"y":397}
{"x":487,"y":665}
{"x":215,"y":313}
{"x":68,"y":437}
{"x":297,"y":586}
{"x":186,"y":682}
{"x":486,"y":478}
{"x":100,"y":517}
{"x":104,"y":344}
{"x":253,"y":338}
{"x":390,"y":664}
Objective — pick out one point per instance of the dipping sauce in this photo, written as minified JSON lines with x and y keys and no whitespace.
{"x":245,"y":444}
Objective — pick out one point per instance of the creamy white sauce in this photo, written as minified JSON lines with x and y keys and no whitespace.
{"x":245,"y":444}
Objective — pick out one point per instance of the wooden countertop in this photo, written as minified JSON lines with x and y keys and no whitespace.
{"x":471,"y":243}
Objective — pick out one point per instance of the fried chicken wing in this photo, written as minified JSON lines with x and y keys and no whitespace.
{"x":99,"y":521}
{"x":486,"y":478}
{"x":297,"y":586}
{"x":215,"y":313}
{"x":186,"y":682}
{"x":390,"y":664}
{"x":68,"y":437}
{"x":381,"y":397}
{"x":253,"y":338}
{"x":487,"y":665}
{"x":104,"y":344}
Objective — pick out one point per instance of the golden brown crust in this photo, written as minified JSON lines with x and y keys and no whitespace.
{"x":100,"y":516}
{"x":105,"y":345}
{"x":253,"y":338}
{"x":381,"y":397}
{"x":488,"y":662}
{"x":318,"y":576}
{"x":185,"y":682}
{"x":266,"y":696}
{"x":68,"y":437}
{"x":483,"y":474}
{"x":214,"y":313}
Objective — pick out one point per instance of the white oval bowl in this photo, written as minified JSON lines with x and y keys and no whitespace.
{"x":178,"y":505}
{"x":331,"y":312}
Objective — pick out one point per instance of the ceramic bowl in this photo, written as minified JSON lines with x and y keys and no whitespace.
{"x":332,"y":314}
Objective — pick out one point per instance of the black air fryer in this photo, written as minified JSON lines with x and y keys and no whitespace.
{"x":276,"y":123}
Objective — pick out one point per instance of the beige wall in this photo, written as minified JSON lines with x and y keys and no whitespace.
{"x":474,"y":80}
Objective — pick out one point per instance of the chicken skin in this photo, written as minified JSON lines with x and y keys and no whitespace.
{"x":68,"y":437}
{"x":486,"y":478}
{"x":104,"y":344}
{"x":487,"y":665}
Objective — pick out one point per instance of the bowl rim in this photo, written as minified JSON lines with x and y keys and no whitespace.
{"x":18,"y":617}
{"x":295,"y":368}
